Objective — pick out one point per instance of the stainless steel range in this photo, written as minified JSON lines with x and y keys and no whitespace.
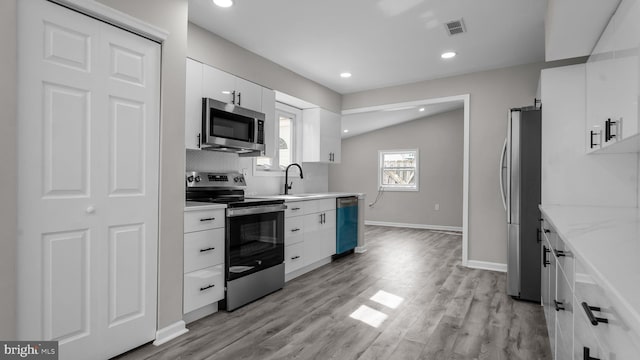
{"x":254,"y":251}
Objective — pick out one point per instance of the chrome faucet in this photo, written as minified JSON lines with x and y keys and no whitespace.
{"x":287,"y":186}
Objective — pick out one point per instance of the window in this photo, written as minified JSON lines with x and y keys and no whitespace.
{"x":398,"y":170}
{"x":285,"y":132}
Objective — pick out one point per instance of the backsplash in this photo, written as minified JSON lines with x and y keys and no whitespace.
{"x":316,"y":176}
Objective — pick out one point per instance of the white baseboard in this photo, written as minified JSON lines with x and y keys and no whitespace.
{"x":360,"y":249}
{"x":486,"y":265}
{"x":198,"y":314}
{"x":170,"y":332}
{"x":414,"y":226}
{"x":294,"y":274}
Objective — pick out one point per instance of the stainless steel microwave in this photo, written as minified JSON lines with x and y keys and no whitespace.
{"x":231,"y":128}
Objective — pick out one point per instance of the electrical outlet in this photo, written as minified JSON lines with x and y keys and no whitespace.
{"x":244,"y":171}
{"x":437,"y":207}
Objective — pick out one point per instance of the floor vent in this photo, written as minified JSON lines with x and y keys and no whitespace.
{"x":455,"y":27}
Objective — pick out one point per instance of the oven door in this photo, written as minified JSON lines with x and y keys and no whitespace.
{"x":254,"y":240}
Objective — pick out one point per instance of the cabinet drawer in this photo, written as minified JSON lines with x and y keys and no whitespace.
{"x":314,"y":206}
{"x":203,"y":249}
{"x":564,"y":306}
{"x":565,"y":259}
{"x":615,"y":336}
{"x":585,"y":338}
{"x":294,"y":208}
{"x":293,"y":230}
{"x":293,"y":257}
{"x":203,"y":287}
{"x":203,"y":220}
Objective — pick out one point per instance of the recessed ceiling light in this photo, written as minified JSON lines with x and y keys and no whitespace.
{"x":448,"y":55}
{"x":421,"y":109}
{"x":345,"y":75}
{"x":226,"y":92}
{"x":223,"y":3}
{"x":345,"y":130}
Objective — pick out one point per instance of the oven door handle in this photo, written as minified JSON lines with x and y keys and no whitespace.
{"x":253,"y":210}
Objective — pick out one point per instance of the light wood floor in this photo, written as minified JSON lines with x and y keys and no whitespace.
{"x":445,"y":311}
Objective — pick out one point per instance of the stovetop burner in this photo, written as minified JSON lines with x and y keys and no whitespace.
{"x":221,"y":188}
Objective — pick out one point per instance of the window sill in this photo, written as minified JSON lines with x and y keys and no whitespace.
{"x":400,"y":189}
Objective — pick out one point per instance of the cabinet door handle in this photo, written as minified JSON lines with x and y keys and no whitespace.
{"x":294,"y":230}
{"x":199,"y":135}
{"x":607,"y":130}
{"x":295,"y":209}
{"x":559,"y":253}
{"x":546,"y":231}
{"x":538,"y":236}
{"x":545,"y":251}
{"x":295,"y":257}
{"x":239,"y":98}
{"x":559,"y":305}
{"x":208,"y":219}
{"x":207,"y":287}
{"x":592,"y":318}
{"x":586,"y":354}
{"x":207,"y":249}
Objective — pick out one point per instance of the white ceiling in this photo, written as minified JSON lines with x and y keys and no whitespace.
{"x":382,"y":42}
{"x":361,"y":122}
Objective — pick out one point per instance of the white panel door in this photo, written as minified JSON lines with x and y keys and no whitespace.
{"x":88,"y":201}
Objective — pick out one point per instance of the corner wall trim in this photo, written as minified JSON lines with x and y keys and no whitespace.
{"x":170,"y":332}
{"x":414,"y":226}
{"x":486,"y":265}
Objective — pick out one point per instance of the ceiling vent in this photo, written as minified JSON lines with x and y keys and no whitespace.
{"x":455,"y":27}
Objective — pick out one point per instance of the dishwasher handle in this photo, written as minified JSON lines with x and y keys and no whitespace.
{"x":346,"y":201}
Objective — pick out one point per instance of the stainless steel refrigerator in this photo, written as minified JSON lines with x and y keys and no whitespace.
{"x":520,"y":183}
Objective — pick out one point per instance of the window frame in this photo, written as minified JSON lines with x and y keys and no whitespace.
{"x":296,"y":115}
{"x":381,"y":168}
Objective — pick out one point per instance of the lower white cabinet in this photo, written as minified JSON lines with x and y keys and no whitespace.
{"x":204,"y":235}
{"x":310,"y":234}
{"x":203,"y":287}
{"x":582,"y":320}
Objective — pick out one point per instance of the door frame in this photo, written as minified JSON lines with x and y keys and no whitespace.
{"x":116,"y":18}
{"x":465,"y":98}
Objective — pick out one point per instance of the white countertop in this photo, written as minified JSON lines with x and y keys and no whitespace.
{"x":607,"y":241}
{"x":196,"y":205}
{"x":309,"y":196}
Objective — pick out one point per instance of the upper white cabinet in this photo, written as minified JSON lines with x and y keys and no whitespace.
{"x":222,"y":86}
{"x":193,"y":105}
{"x":612,"y":80}
{"x":321,"y":136}
{"x":269,"y":111}
{"x":204,"y":81}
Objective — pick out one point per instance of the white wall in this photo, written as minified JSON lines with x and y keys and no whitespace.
{"x":315,"y":176}
{"x":439,"y":140}
{"x":569,"y":176}
{"x":492,"y":93}
{"x":213,"y":50}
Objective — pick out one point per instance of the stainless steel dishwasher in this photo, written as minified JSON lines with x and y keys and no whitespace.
{"x":346,"y":224}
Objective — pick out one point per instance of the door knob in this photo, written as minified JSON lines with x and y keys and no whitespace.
{"x":90,"y":209}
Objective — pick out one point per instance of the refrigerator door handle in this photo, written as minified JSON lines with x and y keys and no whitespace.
{"x":503,"y":168}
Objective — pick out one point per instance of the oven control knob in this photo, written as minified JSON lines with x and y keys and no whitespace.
{"x":197,"y":178}
{"x":190,"y":178}
{"x":237,"y":179}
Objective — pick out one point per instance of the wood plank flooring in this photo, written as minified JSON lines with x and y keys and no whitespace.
{"x":407,"y":297}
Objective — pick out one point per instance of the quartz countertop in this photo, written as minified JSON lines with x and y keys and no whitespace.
{"x":607,"y":241}
{"x":307,"y":196}
{"x":197,"y":205}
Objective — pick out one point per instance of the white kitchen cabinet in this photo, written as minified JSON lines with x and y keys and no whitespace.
{"x":204,"y":241}
{"x":321,"y":136}
{"x":612,"y":80}
{"x":270,"y":124}
{"x":193,"y":105}
{"x":228,"y":88}
{"x":310,"y":234}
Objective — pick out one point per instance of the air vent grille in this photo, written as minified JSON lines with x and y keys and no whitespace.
{"x":455,"y":27}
